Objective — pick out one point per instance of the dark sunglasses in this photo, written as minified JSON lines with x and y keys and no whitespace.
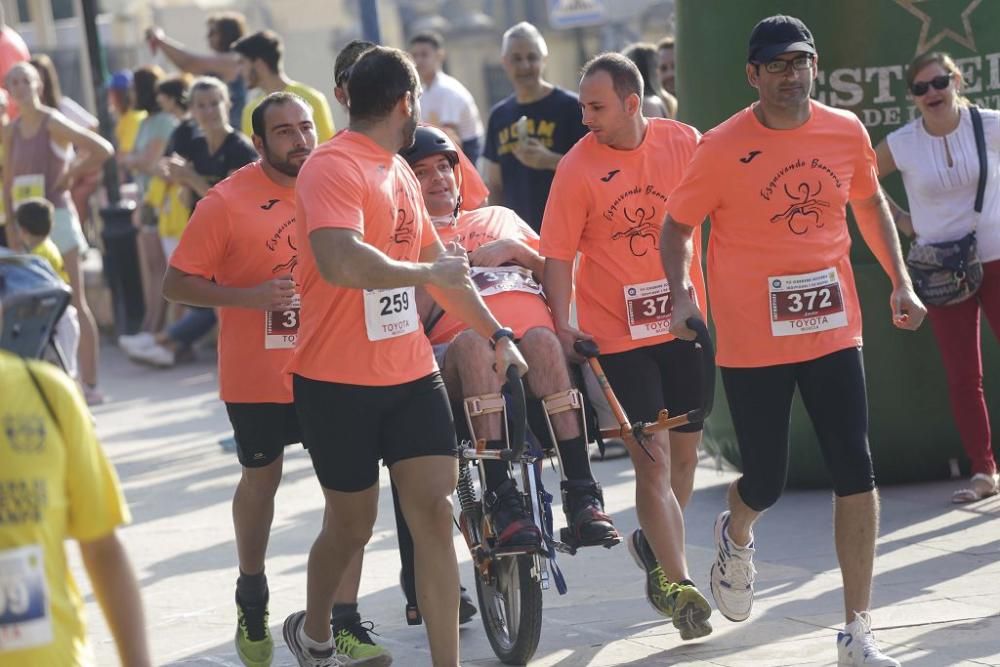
{"x":920,"y":88}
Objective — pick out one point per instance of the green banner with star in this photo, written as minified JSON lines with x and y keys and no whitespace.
{"x":864,"y":48}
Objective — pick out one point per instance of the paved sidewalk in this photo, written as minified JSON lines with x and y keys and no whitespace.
{"x":937,"y":592}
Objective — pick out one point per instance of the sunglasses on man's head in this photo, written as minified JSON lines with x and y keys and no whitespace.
{"x":920,"y":88}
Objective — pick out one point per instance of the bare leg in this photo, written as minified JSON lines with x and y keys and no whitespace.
{"x":741,"y":518}
{"x":154,"y":265}
{"x":549,"y":375}
{"x":659,"y":514}
{"x":425,"y":485}
{"x":855,"y":521}
{"x":471,"y":359}
{"x":347,"y":527}
{"x":350,"y":583}
{"x":683,"y":462}
{"x":87,"y":353}
{"x":253,"y":511}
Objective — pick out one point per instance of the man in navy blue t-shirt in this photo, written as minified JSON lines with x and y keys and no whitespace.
{"x":529,"y":131}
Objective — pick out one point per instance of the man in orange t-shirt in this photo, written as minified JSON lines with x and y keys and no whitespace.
{"x":607,"y":202}
{"x":364,"y":378}
{"x":503,"y":252}
{"x":776,"y":179}
{"x":237,"y":254}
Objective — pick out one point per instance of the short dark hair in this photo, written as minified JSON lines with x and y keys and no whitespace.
{"x":274,"y":99}
{"x":263,"y":45}
{"x":625,"y":76}
{"x":378,"y":80}
{"x":144,"y":82}
{"x":428,"y":37}
{"x":34,"y":216}
{"x":347,"y":57}
{"x":665,"y":43}
{"x":643,"y":55}
{"x":177,"y":88}
{"x":230,"y":25}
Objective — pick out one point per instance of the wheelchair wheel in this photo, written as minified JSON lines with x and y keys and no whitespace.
{"x":511,"y":607}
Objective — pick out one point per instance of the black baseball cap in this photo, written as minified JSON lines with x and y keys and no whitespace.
{"x":779,"y":34}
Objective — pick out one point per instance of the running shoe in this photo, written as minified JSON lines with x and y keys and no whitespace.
{"x":353,"y":640}
{"x":130,"y":342}
{"x":656,"y":580}
{"x":307,"y":657}
{"x":155,"y":355}
{"x":254,"y":645}
{"x":689,"y":609}
{"x":856,"y":645}
{"x":514,"y":529}
{"x":588,"y":524}
{"x":733,"y":573}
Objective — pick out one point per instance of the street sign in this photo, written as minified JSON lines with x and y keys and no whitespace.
{"x":565,"y":14}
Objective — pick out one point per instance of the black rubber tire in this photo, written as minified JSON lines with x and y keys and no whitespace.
{"x":518,"y":646}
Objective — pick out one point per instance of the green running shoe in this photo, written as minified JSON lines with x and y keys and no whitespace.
{"x":353,"y":641}
{"x":656,"y":581}
{"x":690,"y":611}
{"x":253,"y":638}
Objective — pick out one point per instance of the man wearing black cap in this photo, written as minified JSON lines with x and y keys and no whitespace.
{"x":776,"y":179}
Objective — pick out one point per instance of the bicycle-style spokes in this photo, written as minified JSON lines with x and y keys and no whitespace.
{"x":511,"y":605}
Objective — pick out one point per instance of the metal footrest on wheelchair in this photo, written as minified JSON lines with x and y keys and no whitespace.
{"x":569,"y":543}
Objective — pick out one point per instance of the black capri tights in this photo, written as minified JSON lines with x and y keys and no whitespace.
{"x":834,"y":394}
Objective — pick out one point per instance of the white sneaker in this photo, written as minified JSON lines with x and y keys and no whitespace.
{"x":157,"y":355}
{"x":733,"y":574}
{"x":856,"y":645}
{"x":131,"y":342}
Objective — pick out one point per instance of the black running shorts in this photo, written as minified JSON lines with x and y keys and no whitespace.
{"x":349,"y":428}
{"x":648,"y":379}
{"x":262,"y":431}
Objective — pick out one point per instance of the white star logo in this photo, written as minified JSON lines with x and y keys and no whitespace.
{"x":928,"y":41}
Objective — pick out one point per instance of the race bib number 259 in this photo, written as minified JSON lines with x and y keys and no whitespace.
{"x":390,"y":313}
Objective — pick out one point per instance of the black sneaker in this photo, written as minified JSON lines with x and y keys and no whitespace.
{"x":466,"y":608}
{"x":514,"y":530}
{"x":588,"y":525}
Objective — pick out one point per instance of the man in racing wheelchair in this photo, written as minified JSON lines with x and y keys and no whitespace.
{"x":505,"y":262}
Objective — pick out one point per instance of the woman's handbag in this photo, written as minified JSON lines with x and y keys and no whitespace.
{"x":947,"y":273}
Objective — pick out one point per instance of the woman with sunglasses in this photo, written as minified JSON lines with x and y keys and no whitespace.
{"x":937,"y":157}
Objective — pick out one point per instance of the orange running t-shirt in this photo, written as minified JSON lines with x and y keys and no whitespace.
{"x":360,"y":336}
{"x":242,"y":234}
{"x":510,"y":300}
{"x":779,"y":264}
{"x":610,"y":205}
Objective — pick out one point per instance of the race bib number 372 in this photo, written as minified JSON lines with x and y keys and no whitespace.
{"x":281,"y":327}
{"x":25,"y":618}
{"x":806,"y":303}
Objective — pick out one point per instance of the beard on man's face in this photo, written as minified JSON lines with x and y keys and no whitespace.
{"x":287,"y":166}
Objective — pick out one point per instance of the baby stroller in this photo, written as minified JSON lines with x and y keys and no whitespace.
{"x":32,"y":299}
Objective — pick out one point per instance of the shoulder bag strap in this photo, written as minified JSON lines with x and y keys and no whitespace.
{"x":977,"y":129}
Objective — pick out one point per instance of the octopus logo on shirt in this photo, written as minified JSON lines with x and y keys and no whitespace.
{"x":803,"y":208}
{"x":642,"y":233}
{"x":289,"y":266}
{"x":405,"y":230}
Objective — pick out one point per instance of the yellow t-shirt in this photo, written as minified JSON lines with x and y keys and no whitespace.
{"x":55,"y":484}
{"x":127,"y":129}
{"x":322,"y":117}
{"x":48,"y":251}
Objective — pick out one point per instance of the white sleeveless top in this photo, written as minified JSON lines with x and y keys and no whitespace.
{"x":942,"y":198}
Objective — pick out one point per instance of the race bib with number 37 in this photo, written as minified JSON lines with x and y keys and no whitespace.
{"x":281,"y":327}
{"x":25,"y":618}
{"x":649,"y":307}
{"x":806,"y":303}
{"x":497,"y":279}
{"x":390,"y":313}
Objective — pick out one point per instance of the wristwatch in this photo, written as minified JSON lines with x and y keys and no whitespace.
{"x":502,"y":332}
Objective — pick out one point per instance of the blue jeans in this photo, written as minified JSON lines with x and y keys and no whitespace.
{"x":195,"y":323}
